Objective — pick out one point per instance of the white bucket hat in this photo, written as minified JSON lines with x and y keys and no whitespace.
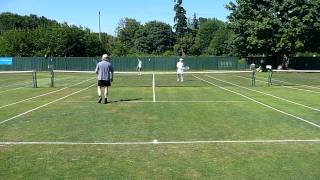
{"x":104,"y":57}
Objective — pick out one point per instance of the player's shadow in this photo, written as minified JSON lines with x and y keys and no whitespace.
{"x":126,"y":100}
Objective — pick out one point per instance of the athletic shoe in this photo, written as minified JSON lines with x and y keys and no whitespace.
{"x":106,"y":101}
{"x":100,"y":99}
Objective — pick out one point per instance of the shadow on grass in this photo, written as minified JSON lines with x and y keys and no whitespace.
{"x":125,"y":100}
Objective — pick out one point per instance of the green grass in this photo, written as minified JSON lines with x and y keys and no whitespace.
{"x":190,"y":111}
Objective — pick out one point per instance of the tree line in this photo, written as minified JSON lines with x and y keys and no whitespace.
{"x":254,"y":28}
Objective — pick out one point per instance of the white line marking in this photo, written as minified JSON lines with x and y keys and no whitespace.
{"x":305,"y":90}
{"x":44,"y":105}
{"x":275,"y":109}
{"x":15,"y":84}
{"x":12,"y":89}
{"x":298,"y":71}
{"x":303,"y":85}
{"x":43,"y":94}
{"x":26,"y":85}
{"x":292,"y":102}
{"x":169,"y":142}
{"x":14,"y":72}
{"x":289,"y":87}
{"x":154,"y":88}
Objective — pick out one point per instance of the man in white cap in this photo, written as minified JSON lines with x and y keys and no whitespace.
{"x":104,"y":71}
{"x":180,"y":67}
{"x":139,"y":67}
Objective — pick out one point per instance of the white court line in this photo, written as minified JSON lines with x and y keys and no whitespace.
{"x":44,"y":105}
{"x":284,"y":141}
{"x":153,"y":88}
{"x":303,"y":85}
{"x":43,"y":94}
{"x":267,"y":94}
{"x":12,"y":89}
{"x":256,"y":101}
{"x":26,"y":85}
{"x":15,"y":84}
{"x":289,"y":87}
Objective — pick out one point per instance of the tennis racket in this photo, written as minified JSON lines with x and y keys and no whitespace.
{"x":186,"y":68}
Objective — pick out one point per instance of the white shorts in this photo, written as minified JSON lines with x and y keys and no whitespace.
{"x":180,"y":71}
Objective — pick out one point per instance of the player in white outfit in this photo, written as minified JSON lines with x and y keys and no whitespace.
{"x":180,"y":67}
{"x":139,"y":67}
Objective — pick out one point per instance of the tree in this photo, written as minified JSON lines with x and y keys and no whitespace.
{"x":154,"y":38}
{"x":6,"y":48}
{"x":126,"y":31}
{"x":273,"y":27}
{"x":181,"y":26}
{"x":195,"y":22}
{"x":220,"y":42}
{"x":38,"y":36}
{"x":9,"y":21}
{"x":205,"y":35}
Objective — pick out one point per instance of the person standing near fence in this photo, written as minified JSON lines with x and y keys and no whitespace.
{"x":104,"y":71}
{"x":139,"y":67}
{"x":180,"y":67}
{"x":253,"y":76}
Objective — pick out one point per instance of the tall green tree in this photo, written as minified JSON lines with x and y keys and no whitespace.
{"x":205,"y":35}
{"x":9,"y":21}
{"x":195,"y":22}
{"x":180,"y":19}
{"x":39,"y":36}
{"x":275,"y":27}
{"x":220,"y":43}
{"x":126,"y":31}
{"x":154,"y":38}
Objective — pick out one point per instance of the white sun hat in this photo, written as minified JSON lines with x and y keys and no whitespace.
{"x":104,"y":56}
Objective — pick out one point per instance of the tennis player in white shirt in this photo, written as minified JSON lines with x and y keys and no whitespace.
{"x":180,"y":67}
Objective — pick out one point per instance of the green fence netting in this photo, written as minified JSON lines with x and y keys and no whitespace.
{"x":124,"y":63}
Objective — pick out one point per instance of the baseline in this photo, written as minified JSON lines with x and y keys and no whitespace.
{"x":284,"y":141}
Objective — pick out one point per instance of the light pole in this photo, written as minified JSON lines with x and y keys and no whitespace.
{"x":99,"y":28}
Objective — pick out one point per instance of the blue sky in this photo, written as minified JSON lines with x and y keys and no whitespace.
{"x":85,"y":12}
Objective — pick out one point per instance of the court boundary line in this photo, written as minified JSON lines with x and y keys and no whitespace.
{"x":44,"y":105}
{"x":264,"y":93}
{"x":155,"y":142}
{"x":1,"y":92}
{"x":27,"y":85}
{"x":263,"y":104}
{"x":303,"y":85}
{"x":289,"y":87}
{"x":34,"y":97}
{"x":153,"y":88}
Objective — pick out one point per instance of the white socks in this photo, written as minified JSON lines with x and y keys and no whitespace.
{"x":99,"y":91}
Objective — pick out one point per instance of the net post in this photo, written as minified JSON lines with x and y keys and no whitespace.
{"x":51,"y":76}
{"x":34,"y":79}
{"x":253,"y":78}
{"x":269,"y":77}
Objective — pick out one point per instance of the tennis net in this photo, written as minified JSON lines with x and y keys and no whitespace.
{"x":160,"y":79}
{"x":17,"y":79}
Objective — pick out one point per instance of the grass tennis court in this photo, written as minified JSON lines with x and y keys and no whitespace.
{"x":213,"y":125}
